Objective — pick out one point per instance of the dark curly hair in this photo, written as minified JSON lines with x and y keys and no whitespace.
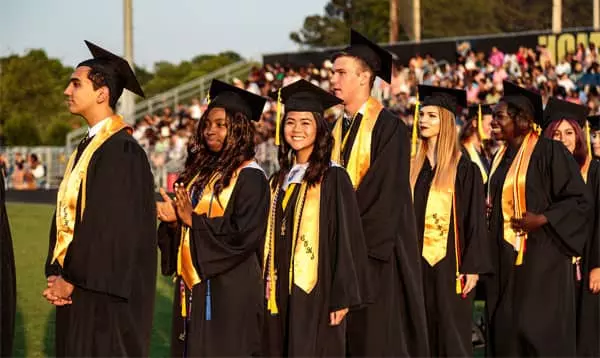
{"x":201,"y":161}
{"x":319,"y":160}
{"x":101,"y":75}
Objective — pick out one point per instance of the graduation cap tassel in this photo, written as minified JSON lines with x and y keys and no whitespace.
{"x":208,"y":302}
{"x":278,"y":119}
{"x":208,"y":98}
{"x":482,"y":135}
{"x":413,"y":149}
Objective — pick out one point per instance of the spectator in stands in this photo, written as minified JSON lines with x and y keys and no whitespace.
{"x":18,"y":176}
{"x":37,"y":172}
{"x":195,"y":110}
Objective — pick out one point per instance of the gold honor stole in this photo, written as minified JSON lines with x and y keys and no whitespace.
{"x":441,"y":203}
{"x":514,"y":195}
{"x":584,"y":174}
{"x":360,"y":155}
{"x":475,"y":158}
{"x":75,"y":178}
{"x":305,"y":242}
{"x":213,"y":209}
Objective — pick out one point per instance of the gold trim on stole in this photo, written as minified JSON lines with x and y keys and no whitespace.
{"x":75,"y":178}
{"x":304,"y":269}
{"x":514,"y":194}
{"x":214,"y":208}
{"x":475,"y":158}
{"x":360,"y":155}
{"x":440,"y":202}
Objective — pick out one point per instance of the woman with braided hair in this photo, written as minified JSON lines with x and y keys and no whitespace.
{"x":211,"y":233}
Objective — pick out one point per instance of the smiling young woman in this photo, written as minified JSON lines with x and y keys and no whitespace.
{"x":566,"y":122}
{"x":314,"y":255}
{"x":210,"y":234}
{"x":539,"y":220}
{"x":449,"y":206}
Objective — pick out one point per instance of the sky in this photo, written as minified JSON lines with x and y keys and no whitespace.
{"x":163,"y":30}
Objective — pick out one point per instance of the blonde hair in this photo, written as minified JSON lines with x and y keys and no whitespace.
{"x":447,"y":154}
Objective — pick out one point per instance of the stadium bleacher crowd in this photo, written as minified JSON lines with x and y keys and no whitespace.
{"x":165,"y":133}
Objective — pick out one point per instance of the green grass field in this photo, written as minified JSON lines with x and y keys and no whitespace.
{"x":34,"y":331}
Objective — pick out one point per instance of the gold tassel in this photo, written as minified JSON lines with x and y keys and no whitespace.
{"x":459,"y":288}
{"x":537,"y":129}
{"x":519,"y":261}
{"x":413,"y":148}
{"x":278,"y":119}
{"x":588,"y":139}
{"x":482,"y":135}
{"x":208,"y":98}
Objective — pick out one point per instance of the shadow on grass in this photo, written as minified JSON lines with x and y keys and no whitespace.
{"x":49,"y":334}
{"x":20,"y":342}
{"x":161,"y":328}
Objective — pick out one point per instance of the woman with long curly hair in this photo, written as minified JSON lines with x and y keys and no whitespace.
{"x":211,"y":233}
{"x":449,"y":206}
{"x":539,"y":219}
{"x":314,"y":254}
{"x":566,"y":122}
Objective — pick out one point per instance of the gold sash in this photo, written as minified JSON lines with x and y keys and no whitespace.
{"x":212,"y":207}
{"x":514,"y":195}
{"x":475,"y":158}
{"x":304,"y":266}
{"x":75,"y":178}
{"x":360,"y":155}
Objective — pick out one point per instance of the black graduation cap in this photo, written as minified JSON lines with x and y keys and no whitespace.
{"x":557,"y":109}
{"x":377,"y":58}
{"x":227,"y":96}
{"x":449,"y":98}
{"x":474,"y":110}
{"x":523,"y":97}
{"x":303,"y":96}
{"x":594,"y":122}
{"x":117,"y":67}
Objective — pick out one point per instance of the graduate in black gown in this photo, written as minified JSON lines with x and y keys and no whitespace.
{"x":373,"y":145}
{"x":101,"y":265}
{"x":594,"y":123}
{"x":211,"y":234}
{"x":538,"y":221}
{"x":474,"y":133}
{"x":315,"y":258}
{"x":566,"y":122}
{"x":8,"y":290}
{"x":448,"y":185}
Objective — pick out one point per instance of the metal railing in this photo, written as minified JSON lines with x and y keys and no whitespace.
{"x":171,"y":98}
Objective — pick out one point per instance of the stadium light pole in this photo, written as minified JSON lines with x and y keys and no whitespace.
{"x":596,"y":15}
{"x":127,"y":101}
{"x":417,"y":20}
{"x":393,"y":21}
{"x":556,"y":16}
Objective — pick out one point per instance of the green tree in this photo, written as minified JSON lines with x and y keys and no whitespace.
{"x":31,"y":96}
{"x":439,"y":18}
{"x":370,"y":17}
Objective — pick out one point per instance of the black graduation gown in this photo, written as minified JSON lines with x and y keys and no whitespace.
{"x":531,"y":307}
{"x":448,"y":314}
{"x":394,"y":323}
{"x":112,"y":258}
{"x":8,"y":291}
{"x":588,"y":304}
{"x":301,"y":329}
{"x":225,"y":252}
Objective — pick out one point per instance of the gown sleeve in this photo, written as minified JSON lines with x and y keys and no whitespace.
{"x":349,"y":281}
{"x":569,"y":212}
{"x":476,"y":249}
{"x":168,"y":243}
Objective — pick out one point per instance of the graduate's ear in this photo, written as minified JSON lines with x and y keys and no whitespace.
{"x":523,"y":124}
{"x":103,"y":95}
